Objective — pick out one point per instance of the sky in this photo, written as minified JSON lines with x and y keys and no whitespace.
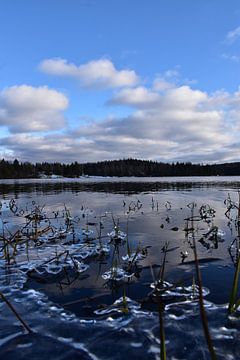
{"x":93,"y":80}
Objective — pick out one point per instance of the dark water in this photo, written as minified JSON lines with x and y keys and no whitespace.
{"x":72,"y":301}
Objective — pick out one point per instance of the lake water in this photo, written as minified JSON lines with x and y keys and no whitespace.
{"x":81,"y":274}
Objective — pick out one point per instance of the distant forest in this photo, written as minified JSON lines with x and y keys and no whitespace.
{"x":126,"y":167}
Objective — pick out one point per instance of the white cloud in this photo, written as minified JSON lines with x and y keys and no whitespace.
{"x":233,"y":35}
{"x":160,"y":84}
{"x":26,"y":108}
{"x":175,"y":123}
{"x":184,"y":97}
{"x":139,"y":97}
{"x":172,"y":74}
{"x":97,"y":73}
{"x":182,"y":124}
{"x":62,"y":148}
{"x":234,"y":58}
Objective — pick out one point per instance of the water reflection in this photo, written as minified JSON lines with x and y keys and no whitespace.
{"x":95,"y":248}
{"x":115,"y":185}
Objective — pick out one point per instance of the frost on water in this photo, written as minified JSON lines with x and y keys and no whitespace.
{"x":121,"y":305}
{"x":117,"y":274}
{"x":134,"y":256}
{"x":116,"y":234}
{"x":80,"y":266}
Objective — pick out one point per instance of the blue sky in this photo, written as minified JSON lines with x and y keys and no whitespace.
{"x":88,"y":80}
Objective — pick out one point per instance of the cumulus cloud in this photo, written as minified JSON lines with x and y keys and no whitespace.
{"x":233,"y":35}
{"x":180,"y":125}
{"x":61,"y":148}
{"x":26,"y":108}
{"x":139,"y":97}
{"x":183,"y":97}
{"x":161,"y":84}
{"x":97,"y":73}
{"x":169,"y":122}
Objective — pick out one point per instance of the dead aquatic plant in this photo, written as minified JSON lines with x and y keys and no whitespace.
{"x":200,"y":289}
{"x":161,"y":320}
{"x":68,"y":217}
{"x":231,"y":205}
{"x":68,"y":280}
{"x":234,"y":302}
{"x":116,"y":235}
{"x":124,"y":308}
{"x":133,"y":256}
{"x":14,"y":311}
{"x":12,"y":241}
{"x":36,"y":224}
{"x":9,"y":247}
{"x":201,"y":304}
{"x":158,"y":286}
{"x":133,"y":206}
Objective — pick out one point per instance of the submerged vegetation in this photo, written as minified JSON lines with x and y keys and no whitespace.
{"x":54,"y":250}
{"x":126,"y":167}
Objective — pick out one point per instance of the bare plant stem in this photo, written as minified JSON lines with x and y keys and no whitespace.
{"x":233,"y":297}
{"x":15,"y":313}
{"x":201,"y":305}
{"x":234,"y":302}
{"x":199,"y":283}
{"x":163,"y":353}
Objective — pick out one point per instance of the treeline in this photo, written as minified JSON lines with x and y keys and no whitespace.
{"x":126,"y":167}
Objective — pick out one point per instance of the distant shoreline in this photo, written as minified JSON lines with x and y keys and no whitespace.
{"x":114,"y":168}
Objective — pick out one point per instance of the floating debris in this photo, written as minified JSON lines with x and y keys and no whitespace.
{"x":184,"y":255}
{"x":117,"y":274}
{"x":80,"y":266}
{"x":102,"y":249}
{"x":117,"y":234}
{"x":54,"y":267}
{"x":135,"y":256}
{"x":168,"y":290}
{"x":87,"y":232}
{"x":122,"y":305}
